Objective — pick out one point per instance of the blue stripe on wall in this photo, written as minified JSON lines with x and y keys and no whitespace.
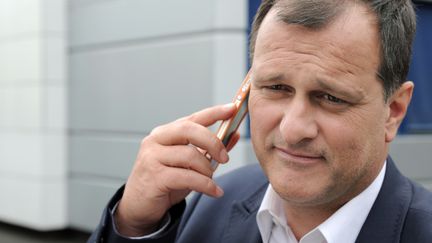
{"x":419,"y":117}
{"x":252,"y":9}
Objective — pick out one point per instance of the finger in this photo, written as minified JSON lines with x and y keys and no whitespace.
{"x":187,"y":157}
{"x":186,"y":132}
{"x":213,"y":114}
{"x":182,"y":179}
{"x":233,"y":141}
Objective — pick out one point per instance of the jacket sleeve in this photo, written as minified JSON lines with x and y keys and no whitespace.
{"x":105,"y":230}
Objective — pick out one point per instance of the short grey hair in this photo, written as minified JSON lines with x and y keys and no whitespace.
{"x":396,"y":23}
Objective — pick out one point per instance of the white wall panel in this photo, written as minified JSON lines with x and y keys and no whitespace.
{"x":32,"y":153}
{"x":21,"y":106}
{"x":34,"y":202}
{"x":53,"y":69}
{"x":20,"y":61}
{"x":33,"y":60}
{"x":87,"y":199}
{"x":54,"y":114}
{"x":83,"y":3}
{"x":138,"y":87}
{"x":115,"y":21}
{"x":32,"y":107}
{"x":32,"y":113}
{"x":412,"y":154}
{"x":106,"y":156}
{"x":18,"y":18}
{"x":230,"y":14}
{"x":23,"y":19}
{"x":230,"y":65}
{"x":53,"y":16}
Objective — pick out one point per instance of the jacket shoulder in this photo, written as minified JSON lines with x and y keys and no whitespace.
{"x":418,"y":221}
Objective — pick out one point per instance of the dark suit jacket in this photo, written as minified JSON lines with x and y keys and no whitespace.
{"x":402,"y":212}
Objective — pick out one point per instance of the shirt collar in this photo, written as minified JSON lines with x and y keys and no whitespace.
{"x":270,"y":212}
{"x":352,"y":216}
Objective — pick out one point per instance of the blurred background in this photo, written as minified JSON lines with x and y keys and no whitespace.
{"x":83,"y":81}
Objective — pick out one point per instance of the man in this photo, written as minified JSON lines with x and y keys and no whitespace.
{"x":328,"y":93}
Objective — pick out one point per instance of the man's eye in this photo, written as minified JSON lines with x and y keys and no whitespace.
{"x":277,"y":91}
{"x":333,"y":99}
{"x":277,"y":87}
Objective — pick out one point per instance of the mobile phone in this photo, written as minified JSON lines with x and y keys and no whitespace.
{"x":229,"y":127}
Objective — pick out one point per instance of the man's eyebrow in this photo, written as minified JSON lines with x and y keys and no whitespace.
{"x":268,"y":78}
{"x":346,"y":91}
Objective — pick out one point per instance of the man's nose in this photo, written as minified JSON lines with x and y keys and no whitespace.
{"x":299,"y":122}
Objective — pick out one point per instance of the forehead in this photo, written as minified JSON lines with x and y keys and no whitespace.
{"x":351,"y":39}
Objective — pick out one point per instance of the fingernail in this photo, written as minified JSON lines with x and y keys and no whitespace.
{"x":228,"y":106}
{"x":219,"y":191}
{"x":224,"y":156}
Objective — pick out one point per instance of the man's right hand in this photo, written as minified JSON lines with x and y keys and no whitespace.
{"x":170,"y":164}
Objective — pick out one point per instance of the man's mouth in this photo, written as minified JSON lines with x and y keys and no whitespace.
{"x":299,"y":157}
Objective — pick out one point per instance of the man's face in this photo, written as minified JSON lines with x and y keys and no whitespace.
{"x":317,"y":109}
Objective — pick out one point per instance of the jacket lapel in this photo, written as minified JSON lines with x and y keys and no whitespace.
{"x":242,"y":225}
{"x":385,"y":220}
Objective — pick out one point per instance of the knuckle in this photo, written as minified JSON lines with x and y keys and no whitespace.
{"x":156,"y":130}
{"x":190,"y":153}
{"x":216,"y":143}
{"x":188,"y":176}
{"x":162,"y":181}
{"x":186,"y":129}
{"x":192,"y":117}
{"x":147,"y":148}
{"x":145,"y":163}
{"x":148,"y":158}
{"x":209,"y":184}
{"x":208,"y":173}
{"x":146,"y":141}
{"x":185,"y":126}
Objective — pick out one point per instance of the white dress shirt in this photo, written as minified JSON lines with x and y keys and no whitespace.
{"x":341,"y":227}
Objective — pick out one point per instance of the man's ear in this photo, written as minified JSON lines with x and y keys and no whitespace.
{"x":398,"y":105}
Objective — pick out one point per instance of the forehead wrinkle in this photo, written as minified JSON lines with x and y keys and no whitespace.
{"x":294,"y":51}
{"x":290,"y":49}
{"x":342,"y":63}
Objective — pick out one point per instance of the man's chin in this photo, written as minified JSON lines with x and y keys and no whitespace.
{"x":303,"y":193}
{"x":300,"y":198}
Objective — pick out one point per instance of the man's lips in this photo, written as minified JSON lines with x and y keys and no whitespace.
{"x":298,"y":156}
